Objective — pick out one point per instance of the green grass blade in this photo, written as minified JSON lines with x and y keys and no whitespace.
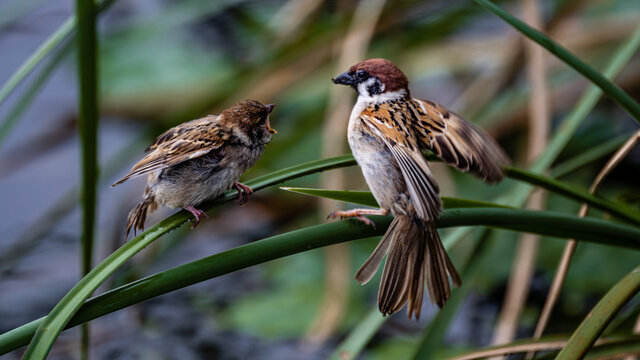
{"x":88,"y":128}
{"x":575,"y":118}
{"x":23,"y":103}
{"x":351,"y":196}
{"x":546,"y":223}
{"x":612,"y":90}
{"x":571,"y":191}
{"x":540,"y":222}
{"x":87,"y":123}
{"x":35,"y":58}
{"x":366,"y":198}
{"x":600,"y":316}
{"x":630,"y":345}
{"x":42,"y":51}
{"x":583,"y":107}
{"x":87,"y":44}
{"x":588,"y":156}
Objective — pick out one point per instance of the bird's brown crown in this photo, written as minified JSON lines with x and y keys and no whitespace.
{"x":389,"y":74}
{"x":247,"y":111}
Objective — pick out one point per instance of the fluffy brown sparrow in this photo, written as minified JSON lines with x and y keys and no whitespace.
{"x":388,"y":130}
{"x":200,"y":159}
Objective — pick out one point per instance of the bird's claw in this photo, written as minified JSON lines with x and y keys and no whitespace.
{"x":243,"y":192}
{"x":366,"y":221}
{"x":196,"y":215}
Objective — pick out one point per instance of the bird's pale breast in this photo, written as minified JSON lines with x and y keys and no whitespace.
{"x":195,"y":181}
{"x":379,"y":168}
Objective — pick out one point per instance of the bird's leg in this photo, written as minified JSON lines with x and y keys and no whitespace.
{"x":196,"y":214}
{"x":357,"y":213}
{"x":242,"y":190}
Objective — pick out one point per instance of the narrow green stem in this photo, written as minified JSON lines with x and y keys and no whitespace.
{"x":36,"y":57}
{"x":30,"y":93}
{"x":574,"y":119}
{"x":87,"y":123}
{"x":88,"y":129}
{"x":85,"y":12}
{"x":588,"y":156}
{"x":42,"y":51}
{"x":610,"y":89}
{"x":359,"y":336}
{"x":583,"y":107}
{"x":594,"y":324}
{"x":574,"y":192}
{"x":540,"y":222}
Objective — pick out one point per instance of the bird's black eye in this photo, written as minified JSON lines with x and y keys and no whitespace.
{"x":362,"y":75}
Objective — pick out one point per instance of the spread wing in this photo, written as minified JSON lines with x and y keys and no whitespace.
{"x":386,"y":124}
{"x":186,"y":141}
{"x":456,"y":141}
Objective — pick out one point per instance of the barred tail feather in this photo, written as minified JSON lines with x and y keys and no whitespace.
{"x":138,"y":215}
{"x":370,"y":267}
{"x":415,"y":254}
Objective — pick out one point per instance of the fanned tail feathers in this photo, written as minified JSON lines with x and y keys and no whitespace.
{"x":415,"y":254}
{"x":138,"y":215}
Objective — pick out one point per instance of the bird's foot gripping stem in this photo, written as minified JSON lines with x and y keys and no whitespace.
{"x":243,"y":192}
{"x":357,"y":213}
{"x":196,"y":214}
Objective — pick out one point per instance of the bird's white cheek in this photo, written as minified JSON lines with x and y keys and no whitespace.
{"x":362,"y":89}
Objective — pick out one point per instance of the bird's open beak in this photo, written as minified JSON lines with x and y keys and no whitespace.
{"x":270,"y":108}
{"x":344,"y":79}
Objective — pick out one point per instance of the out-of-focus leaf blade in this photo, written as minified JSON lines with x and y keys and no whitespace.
{"x":574,"y":192}
{"x":612,"y":90}
{"x":594,"y":324}
{"x":359,"y":336}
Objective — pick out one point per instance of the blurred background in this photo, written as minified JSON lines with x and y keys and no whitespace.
{"x":165,"y":62}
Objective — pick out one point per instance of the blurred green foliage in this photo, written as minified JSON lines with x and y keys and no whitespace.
{"x":180,"y":60}
{"x":195,"y":58}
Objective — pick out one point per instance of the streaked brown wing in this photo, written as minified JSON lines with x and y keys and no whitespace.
{"x":457,"y":141}
{"x":183,"y":142}
{"x":175,"y":132}
{"x":415,"y":169}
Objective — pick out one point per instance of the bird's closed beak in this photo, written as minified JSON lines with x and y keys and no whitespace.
{"x":344,"y":79}
{"x":270,"y":108}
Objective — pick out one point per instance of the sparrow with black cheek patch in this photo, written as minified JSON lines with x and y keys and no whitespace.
{"x":200,"y":159}
{"x":388,"y":130}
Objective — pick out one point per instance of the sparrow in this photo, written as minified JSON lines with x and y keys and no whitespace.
{"x":200,"y":159}
{"x":388,"y":132}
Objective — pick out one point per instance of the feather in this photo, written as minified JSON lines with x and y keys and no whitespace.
{"x":415,"y":254}
{"x":456,"y":141}
{"x":369,"y":268}
{"x":415,"y":169}
{"x":184,"y":142}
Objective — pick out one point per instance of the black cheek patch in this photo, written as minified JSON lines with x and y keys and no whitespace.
{"x":374,"y":88}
